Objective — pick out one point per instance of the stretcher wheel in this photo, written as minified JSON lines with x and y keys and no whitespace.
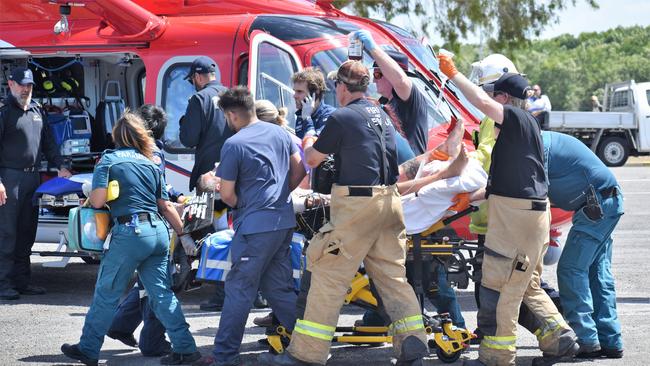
{"x":447,"y":357}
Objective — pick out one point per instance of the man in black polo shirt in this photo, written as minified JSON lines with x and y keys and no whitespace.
{"x":204,"y":128}
{"x":517,"y":234}
{"x":366,"y":225}
{"x":24,"y":136}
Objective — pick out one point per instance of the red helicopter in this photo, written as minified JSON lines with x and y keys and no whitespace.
{"x":105,"y":55}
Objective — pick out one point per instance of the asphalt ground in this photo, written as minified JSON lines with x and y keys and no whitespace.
{"x":33,"y":328}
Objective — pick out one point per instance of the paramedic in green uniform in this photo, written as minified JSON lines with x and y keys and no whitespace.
{"x":140,"y":241}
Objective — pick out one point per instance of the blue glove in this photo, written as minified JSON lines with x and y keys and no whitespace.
{"x":366,"y":38}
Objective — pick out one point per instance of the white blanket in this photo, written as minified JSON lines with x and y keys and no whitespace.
{"x":434,"y":199}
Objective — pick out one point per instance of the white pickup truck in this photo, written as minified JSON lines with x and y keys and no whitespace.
{"x":622,"y":130}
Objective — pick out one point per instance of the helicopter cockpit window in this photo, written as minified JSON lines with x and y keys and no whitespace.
{"x":275,"y":69}
{"x":176,"y":92}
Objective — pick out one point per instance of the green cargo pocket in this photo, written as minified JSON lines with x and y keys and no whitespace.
{"x":497,"y":269}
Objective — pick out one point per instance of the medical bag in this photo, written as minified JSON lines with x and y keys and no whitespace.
{"x":88,"y":228}
{"x":60,"y":126}
{"x":216,"y":262}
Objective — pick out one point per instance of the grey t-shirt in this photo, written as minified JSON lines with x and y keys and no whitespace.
{"x":257,"y":159}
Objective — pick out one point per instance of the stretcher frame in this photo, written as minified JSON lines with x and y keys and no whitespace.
{"x":447,"y":340}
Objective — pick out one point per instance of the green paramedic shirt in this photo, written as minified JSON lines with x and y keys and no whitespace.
{"x":141,"y":182}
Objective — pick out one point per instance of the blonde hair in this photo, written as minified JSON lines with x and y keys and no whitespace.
{"x":267,"y":112}
{"x":130,"y":131}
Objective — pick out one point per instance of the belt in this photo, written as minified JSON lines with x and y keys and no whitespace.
{"x":359,"y":191}
{"x":144,"y":216}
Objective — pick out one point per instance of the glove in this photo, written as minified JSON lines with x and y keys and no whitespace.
{"x":86,"y":188}
{"x":366,"y":38}
{"x":461,"y":202}
{"x":447,"y":64}
{"x":308,"y":105}
{"x":188,"y":244}
{"x":438,"y":155}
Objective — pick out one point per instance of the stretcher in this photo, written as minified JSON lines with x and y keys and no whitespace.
{"x":447,"y":340}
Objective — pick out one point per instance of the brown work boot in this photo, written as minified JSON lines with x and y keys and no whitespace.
{"x":265,"y":321}
{"x":412,"y":353}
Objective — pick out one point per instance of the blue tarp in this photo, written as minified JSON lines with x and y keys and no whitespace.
{"x":59,"y":186}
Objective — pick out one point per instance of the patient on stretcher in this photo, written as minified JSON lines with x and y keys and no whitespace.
{"x":434,"y":184}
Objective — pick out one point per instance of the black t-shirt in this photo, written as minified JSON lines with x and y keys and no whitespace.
{"x":414,"y":118}
{"x":517,"y":168}
{"x":357,"y":147}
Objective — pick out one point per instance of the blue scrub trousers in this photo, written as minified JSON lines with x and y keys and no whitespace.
{"x":260,"y":260}
{"x":585,"y":279}
{"x":146,"y":251}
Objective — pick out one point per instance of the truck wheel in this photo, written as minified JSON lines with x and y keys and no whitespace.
{"x":613,"y":151}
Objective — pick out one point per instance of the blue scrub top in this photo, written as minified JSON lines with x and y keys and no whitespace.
{"x":571,"y":166}
{"x":141,"y":182}
{"x":257,"y":159}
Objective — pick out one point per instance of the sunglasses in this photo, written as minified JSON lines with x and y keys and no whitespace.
{"x":377,"y":75}
{"x":496,"y":94}
{"x":191,"y":79}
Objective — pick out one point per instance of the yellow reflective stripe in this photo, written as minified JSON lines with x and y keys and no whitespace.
{"x":407,"y":324}
{"x":503,"y":343}
{"x":312,"y":329}
{"x":550,"y":327}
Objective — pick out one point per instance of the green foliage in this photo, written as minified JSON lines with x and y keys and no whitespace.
{"x":572,"y":69}
{"x":507,"y":24}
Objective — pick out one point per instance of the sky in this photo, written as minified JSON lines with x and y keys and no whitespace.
{"x":581,"y":18}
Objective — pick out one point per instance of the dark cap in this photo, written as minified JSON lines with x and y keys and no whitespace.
{"x":512,"y":84}
{"x":202,"y":65}
{"x":353,"y":73}
{"x":399,"y":57}
{"x":22,"y":75}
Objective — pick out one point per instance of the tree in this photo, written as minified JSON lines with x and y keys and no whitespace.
{"x":507,"y":23}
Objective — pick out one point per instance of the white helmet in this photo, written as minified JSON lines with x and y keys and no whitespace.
{"x":491,"y":68}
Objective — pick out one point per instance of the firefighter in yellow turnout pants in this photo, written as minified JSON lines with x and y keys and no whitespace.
{"x":367,"y":225}
{"x":519,"y":220}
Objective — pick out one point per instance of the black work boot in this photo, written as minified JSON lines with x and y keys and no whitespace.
{"x":72,"y":351}
{"x":473,"y":363}
{"x":611,"y":353}
{"x":9,"y":294}
{"x":412,"y":352}
{"x":589,"y":351}
{"x":126,"y":338}
{"x":551,"y":360}
{"x":284,"y":359}
{"x":180,"y":358}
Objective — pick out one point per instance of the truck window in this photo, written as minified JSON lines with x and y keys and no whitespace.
{"x":647,"y":96}
{"x":175,"y":93}
{"x":274,"y":78}
{"x":620,"y":99}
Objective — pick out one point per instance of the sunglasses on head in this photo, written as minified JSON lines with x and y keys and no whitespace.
{"x":377,"y":75}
